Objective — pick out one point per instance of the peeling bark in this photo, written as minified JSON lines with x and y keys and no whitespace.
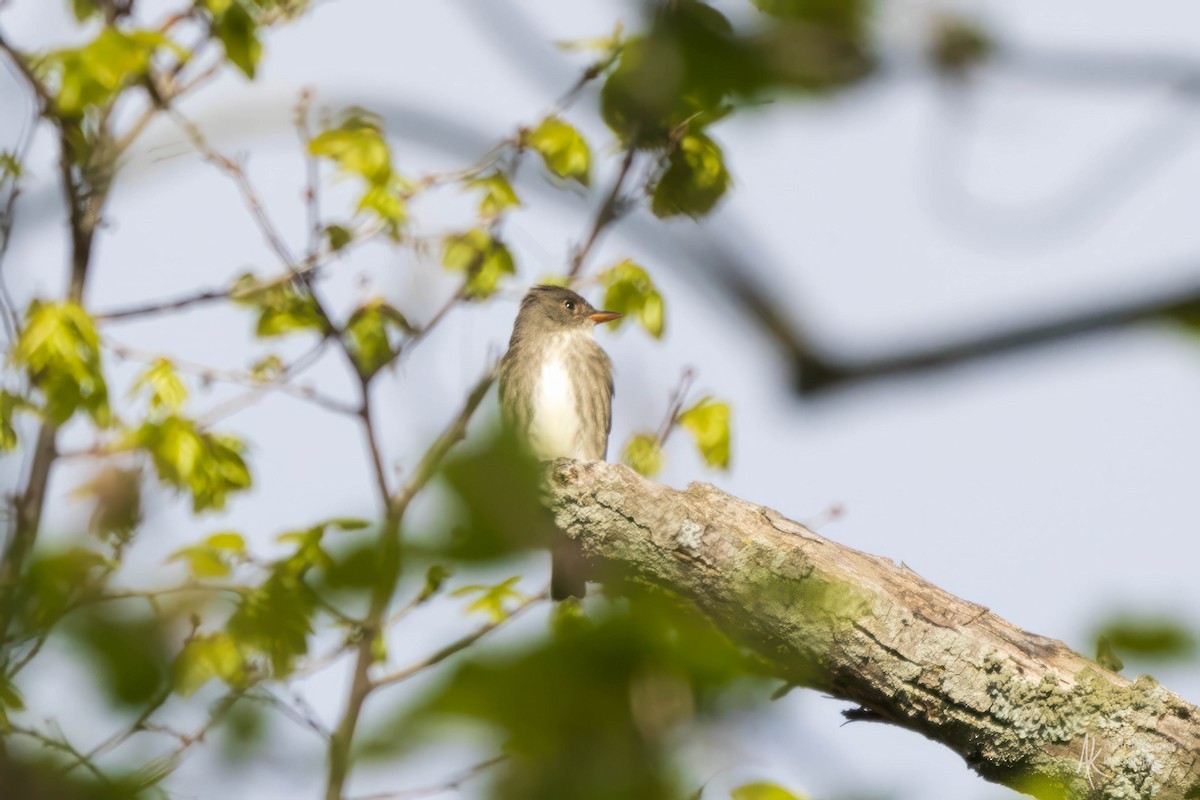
{"x":1022,"y":710}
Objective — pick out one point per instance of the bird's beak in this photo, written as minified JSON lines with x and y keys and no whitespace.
{"x":604,"y":316}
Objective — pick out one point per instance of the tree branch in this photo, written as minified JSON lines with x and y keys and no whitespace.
{"x":1022,"y":710}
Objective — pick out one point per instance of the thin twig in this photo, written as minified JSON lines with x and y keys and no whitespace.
{"x":281,"y":384}
{"x":450,"y":785}
{"x":451,"y":436}
{"x":458,"y":645}
{"x":608,"y":212}
{"x":64,"y":746}
{"x":158,"y":769}
{"x":676,"y":405}
{"x":304,"y":716}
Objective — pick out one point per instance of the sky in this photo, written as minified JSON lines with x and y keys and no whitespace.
{"x":1053,"y":486}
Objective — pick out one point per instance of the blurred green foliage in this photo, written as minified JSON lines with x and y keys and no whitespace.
{"x":93,"y":75}
{"x":629,"y":290}
{"x":208,"y":466}
{"x":374,"y":332}
{"x":356,"y":145}
{"x":760,"y":790}
{"x":590,"y":709}
{"x":708,"y":423}
{"x":496,"y":486}
{"x":1149,"y":638}
{"x":496,"y":194}
{"x":563,"y":149}
{"x":644,"y":454}
{"x":60,"y":352}
{"x":282,"y":307}
{"x":482,"y":257}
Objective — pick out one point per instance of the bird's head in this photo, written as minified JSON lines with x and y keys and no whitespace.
{"x":557,"y":308}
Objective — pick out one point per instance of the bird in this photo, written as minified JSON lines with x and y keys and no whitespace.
{"x":556,"y":389}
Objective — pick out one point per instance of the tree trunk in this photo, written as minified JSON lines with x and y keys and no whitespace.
{"x":1022,"y":710}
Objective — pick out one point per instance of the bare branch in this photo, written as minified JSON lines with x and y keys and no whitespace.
{"x":611,"y":209}
{"x":1019,"y":708}
{"x":450,"y":785}
{"x":458,"y":645}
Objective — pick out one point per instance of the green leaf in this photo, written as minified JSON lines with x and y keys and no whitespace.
{"x":644,"y":454}
{"x":435,"y":578}
{"x":483,"y":258}
{"x":763,"y":791}
{"x":213,"y":558}
{"x":55,"y":579}
{"x":497,"y":192}
{"x":84,"y":9}
{"x":695,"y":178}
{"x":127,"y":653}
{"x":94,"y":74}
{"x":275,"y":619}
{"x":1158,"y":638}
{"x":10,"y":700}
{"x":208,"y":466}
{"x":492,"y":599}
{"x":1107,"y":656}
{"x":358,"y":148}
{"x":563,"y":149}
{"x":167,"y":392}
{"x":238,"y":33}
{"x":283,"y":308}
{"x":338,"y":237}
{"x":204,"y":657}
{"x":268,"y":369}
{"x":60,"y":351}
{"x":10,"y":404}
{"x":631,"y":292}
{"x":374,"y":332}
{"x":708,"y":423}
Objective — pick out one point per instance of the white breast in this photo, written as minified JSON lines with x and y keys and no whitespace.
{"x":554,"y":428}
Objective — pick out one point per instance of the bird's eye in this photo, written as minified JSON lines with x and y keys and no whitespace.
{"x":570,"y":304}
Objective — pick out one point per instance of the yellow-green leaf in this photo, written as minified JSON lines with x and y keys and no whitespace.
{"x":227,"y":540}
{"x":708,"y":423}
{"x":338,"y":237}
{"x":237,"y":31}
{"x":630,"y":291}
{"x":60,"y":350}
{"x":282,"y":307}
{"x":357,"y":147}
{"x":94,"y":74}
{"x":84,"y":9}
{"x":483,"y":258}
{"x":491,"y":599}
{"x":695,"y":178}
{"x":205,"y":657}
{"x":497,"y":193}
{"x":761,"y":790}
{"x":374,"y":330}
{"x":563,"y":149}
{"x":167,"y":392}
{"x":9,"y":405}
{"x":209,"y":466}
{"x":644,"y":454}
